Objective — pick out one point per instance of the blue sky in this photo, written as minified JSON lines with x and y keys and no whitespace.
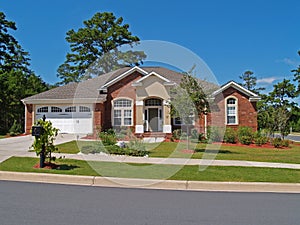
{"x":230,"y":36}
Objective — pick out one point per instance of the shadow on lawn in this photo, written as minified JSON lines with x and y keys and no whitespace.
{"x":67,"y":167}
{"x":213,"y":151}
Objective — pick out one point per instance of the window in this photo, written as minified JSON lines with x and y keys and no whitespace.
{"x":122,"y":112}
{"x":70,"y":109}
{"x":43,"y":109}
{"x":84,"y":109}
{"x":231,"y":111}
{"x":153,"y":102}
{"x":117,"y":117}
{"x":55,"y":109}
{"x":122,"y":103}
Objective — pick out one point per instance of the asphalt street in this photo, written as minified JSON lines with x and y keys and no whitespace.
{"x":35,"y":203}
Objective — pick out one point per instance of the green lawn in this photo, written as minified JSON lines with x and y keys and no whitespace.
{"x":2,"y":136}
{"x":173,"y":172}
{"x":171,"y":149}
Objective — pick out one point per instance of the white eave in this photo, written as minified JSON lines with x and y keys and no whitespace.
{"x":123,"y":75}
{"x":166,"y":81}
{"x":252,"y":96}
{"x":63,"y":101}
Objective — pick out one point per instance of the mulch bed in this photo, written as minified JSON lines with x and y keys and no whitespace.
{"x":267,"y":145}
{"x":48,"y":165}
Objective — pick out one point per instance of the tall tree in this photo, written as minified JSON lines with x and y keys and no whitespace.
{"x":94,"y":48}
{"x":17,"y":81}
{"x":276,"y":108}
{"x":249,"y":82}
{"x":297,"y":76}
{"x":283,"y":93}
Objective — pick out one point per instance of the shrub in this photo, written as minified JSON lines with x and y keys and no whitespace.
{"x":194,"y":134}
{"x":183,"y":136}
{"x":277,"y":142}
{"x":176,"y":134}
{"x":245,"y":135}
{"x":90,"y":149}
{"x":245,"y":140}
{"x":136,"y":148}
{"x":201,"y":137}
{"x":15,"y":129}
{"x":108,"y":137}
{"x":215,"y":134}
{"x":285,"y":143}
{"x":230,"y":135}
{"x":260,"y":140}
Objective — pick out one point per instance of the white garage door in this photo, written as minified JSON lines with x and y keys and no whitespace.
{"x":75,"y":119}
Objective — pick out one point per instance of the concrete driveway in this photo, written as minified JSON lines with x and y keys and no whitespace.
{"x":19,"y":146}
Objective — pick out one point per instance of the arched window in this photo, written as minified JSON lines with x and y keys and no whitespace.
{"x":70,"y":109}
{"x":153,"y":102}
{"x":55,"y":109}
{"x":84,"y":109}
{"x":43,"y":109}
{"x":122,"y":112}
{"x":231,"y":111}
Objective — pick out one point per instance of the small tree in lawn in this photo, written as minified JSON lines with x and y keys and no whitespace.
{"x":188,"y":100}
{"x":46,"y":140}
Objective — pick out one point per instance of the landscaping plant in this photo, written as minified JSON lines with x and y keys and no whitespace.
{"x":245,"y":135}
{"x":230,"y":135}
{"x":47,"y":139}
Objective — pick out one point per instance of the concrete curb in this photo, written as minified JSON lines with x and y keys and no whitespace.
{"x":151,"y":183}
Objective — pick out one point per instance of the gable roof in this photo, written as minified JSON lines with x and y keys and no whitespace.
{"x":88,"y":90}
{"x":252,"y":96}
{"x":166,"y":81}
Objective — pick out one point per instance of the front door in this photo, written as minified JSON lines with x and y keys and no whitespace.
{"x":153,"y":119}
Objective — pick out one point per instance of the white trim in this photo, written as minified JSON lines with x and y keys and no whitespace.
{"x":166,"y":102}
{"x":122,"y":112}
{"x":139,"y":129}
{"x":64,"y":101}
{"x":253,"y":96}
{"x":155,"y":74}
{"x":139,"y":103}
{"x":236,"y":110}
{"x":205,"y":125}
{"x":166,"y":81}
{"x":128,"y":72}
{"x":254,"y":99}
{"x":167,"y":129}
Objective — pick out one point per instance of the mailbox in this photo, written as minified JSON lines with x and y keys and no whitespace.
{"x":37,"y":131}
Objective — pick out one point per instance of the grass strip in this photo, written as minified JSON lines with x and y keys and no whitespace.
{"x":147,"y":171}
{"x":175,"y":150}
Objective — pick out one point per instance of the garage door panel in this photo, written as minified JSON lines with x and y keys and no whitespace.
{"x":78,"y":122}
{"x":80,"y":126}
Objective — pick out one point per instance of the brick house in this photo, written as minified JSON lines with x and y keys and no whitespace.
{"x":137,"y":98}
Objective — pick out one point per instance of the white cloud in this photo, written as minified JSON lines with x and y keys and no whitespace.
{"x":267,"y":80}
{"x":290,"y":62}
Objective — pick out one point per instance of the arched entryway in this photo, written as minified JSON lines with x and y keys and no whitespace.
{"x":153,"y":115}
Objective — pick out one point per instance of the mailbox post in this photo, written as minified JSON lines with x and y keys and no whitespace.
{"x":37,"y":131}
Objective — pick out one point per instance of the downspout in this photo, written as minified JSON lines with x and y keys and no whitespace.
{"x":205,"y":125}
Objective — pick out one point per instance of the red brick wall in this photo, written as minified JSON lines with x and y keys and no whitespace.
{"x":247,"y":111}
{"x":120,"y":89}
{"x":29,"y":115}
{"x":99,"y":111}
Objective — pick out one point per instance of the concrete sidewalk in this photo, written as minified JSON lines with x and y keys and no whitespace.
{"x":175,"y":161}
